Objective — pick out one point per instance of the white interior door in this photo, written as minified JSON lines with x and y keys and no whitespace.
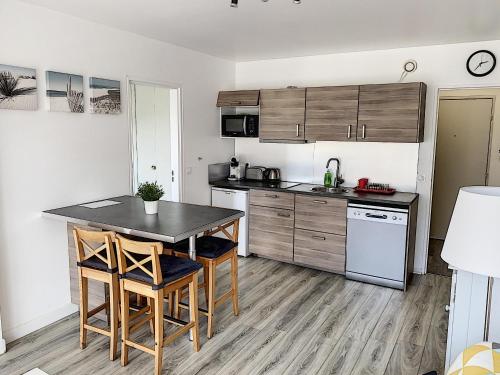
{"x":462,"y":153}
{"x":156,"y":135}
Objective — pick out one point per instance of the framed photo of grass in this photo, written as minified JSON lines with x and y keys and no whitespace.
{"x":104,"y":96}
{"x":18,"y":88}
{"x":64,"y":92}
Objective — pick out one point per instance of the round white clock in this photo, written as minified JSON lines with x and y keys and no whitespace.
{"x":481,"y":63}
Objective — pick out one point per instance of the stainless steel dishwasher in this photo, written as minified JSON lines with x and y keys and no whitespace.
{"x":376,"y":249}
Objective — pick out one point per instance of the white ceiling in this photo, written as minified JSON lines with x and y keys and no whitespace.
{"x":278,"y":28}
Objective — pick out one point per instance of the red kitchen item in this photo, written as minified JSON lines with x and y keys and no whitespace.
{"x":388,"y":191}
{"x":362,"y":182}
{"x":374,"y":188}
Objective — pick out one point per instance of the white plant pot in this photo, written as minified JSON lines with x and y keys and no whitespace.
{"x":151,"y":207}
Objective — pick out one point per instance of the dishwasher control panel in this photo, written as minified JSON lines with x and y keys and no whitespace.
{"x":386,"y":215}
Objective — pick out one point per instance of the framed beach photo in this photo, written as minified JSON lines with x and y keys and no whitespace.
{"x":18,"y":88}
{"x":64,"y":92}
{"x":104,"y":96}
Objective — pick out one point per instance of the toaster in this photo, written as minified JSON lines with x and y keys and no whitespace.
{"x":255,"y":173}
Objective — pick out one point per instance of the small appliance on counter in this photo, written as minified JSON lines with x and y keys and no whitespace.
{"x":371,"y":187}
{"x":272,"y":175}
{"x":236,"y":170}
{"x":255,"y":173}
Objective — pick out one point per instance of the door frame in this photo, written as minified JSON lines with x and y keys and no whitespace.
{"x":178,"y":167}
{"x":428,"y":167}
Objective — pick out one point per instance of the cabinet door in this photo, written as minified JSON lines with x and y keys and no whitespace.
{"x":391,"y":113}
{"x":238,"y":98}
{"x":319,"y":250}
{"x":282,"y":114}
{"x":321,"y":214}
{"x":272,"y":199}
{"x":271,"y":232}
{"x":332,"y":113}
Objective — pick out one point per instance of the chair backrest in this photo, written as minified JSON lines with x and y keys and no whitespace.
{"x":223,"y":228}
{"x":93,"y":245}
{"x":139,"y":254}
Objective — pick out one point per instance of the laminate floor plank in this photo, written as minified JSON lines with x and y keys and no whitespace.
{"x":292,"y":320}
{"x":405,"y":359}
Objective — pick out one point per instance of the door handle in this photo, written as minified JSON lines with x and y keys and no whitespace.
{"x":319,"y":238}
{"x":271,"y":195}
{"x":298,"y":129}
{"x":349,"y":131}
{"x":376,"y":216}
{"x":363,"y":135}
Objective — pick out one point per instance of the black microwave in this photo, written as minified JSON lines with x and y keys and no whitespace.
{"x":240,"y":126}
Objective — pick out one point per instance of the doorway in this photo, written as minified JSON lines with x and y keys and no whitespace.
{"x":155,"y":123}
{"x":463,"y":153}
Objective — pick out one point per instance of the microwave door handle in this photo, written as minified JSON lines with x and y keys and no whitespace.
{"x":245,"y":125}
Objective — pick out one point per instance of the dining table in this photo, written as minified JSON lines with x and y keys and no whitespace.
{"x":125,"y":214}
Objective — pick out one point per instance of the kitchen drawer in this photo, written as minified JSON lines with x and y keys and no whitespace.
{"x":272,"y":199}
{"x":328,"y":215}
{"x":271,"y":232}
{"x":320,"y":250}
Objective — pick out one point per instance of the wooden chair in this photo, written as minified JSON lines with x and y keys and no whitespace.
{"x":97,"y":263}
{"x":210,"y":252}
{"x":146,"y":271}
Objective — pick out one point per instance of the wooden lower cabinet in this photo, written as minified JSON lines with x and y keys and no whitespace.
{"x":320,"y":250}
{"x":271,"y":232}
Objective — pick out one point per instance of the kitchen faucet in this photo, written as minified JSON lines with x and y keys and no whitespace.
{"x":338,"y":180}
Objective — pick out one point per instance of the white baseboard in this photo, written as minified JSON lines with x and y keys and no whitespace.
{"x":14,"y":333}
{"x":2,"y":346}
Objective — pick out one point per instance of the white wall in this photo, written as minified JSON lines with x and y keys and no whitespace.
{"x":48,"y":160}
{"x":438,"y":66}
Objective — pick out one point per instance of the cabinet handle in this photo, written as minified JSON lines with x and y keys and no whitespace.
{"x":363,"y":135}
{"x":320,"y":202}
{"x":349,"y":131}
{"x":319,"y":238}
{"x":270,"y":195}
{"x":298,"y":129}
{"x":447,"y":308}
{"x":283,"y":215}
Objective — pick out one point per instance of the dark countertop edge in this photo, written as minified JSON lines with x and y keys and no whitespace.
{"x":358,"y":198}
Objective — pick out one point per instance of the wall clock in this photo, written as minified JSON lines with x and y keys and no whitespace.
{"x":481,"y":63}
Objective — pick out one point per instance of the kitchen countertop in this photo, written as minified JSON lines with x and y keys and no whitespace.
{"x":398,"y":198}
{"x":174,"y":221}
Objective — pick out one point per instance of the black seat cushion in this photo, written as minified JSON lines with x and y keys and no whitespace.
{"x":207,"y":246}
{"x":172,"y":269}
{"x":96,"y":264}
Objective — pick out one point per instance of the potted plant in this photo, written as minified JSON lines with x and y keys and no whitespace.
{"x":150,"y":192}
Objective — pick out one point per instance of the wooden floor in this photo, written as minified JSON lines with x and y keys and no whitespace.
{"x":435,"y":264}
{"x":293,"y":321}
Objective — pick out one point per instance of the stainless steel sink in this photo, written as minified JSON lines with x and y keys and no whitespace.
{"x":331,"y":190}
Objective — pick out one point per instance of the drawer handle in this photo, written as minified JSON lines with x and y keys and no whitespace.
{"x":319,"y":238}
{"x":283,"y":215}
{"x":320,"y":202}
{"x":271,"y":196}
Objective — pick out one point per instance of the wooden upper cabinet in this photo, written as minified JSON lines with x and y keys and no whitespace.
{"x":282,"y":114}
{"x":332,"y":113}
{"x":238,"y":98}
{"x":391,"y":113}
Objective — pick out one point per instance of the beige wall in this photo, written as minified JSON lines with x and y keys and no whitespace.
{"x":494,"y":162}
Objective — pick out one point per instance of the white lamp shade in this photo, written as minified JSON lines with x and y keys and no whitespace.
{"x":473,"y":240}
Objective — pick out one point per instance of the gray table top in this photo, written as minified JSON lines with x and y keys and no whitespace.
{"x":174,"y":222}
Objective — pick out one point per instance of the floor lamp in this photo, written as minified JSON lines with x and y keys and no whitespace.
{"x":473,"y":240}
